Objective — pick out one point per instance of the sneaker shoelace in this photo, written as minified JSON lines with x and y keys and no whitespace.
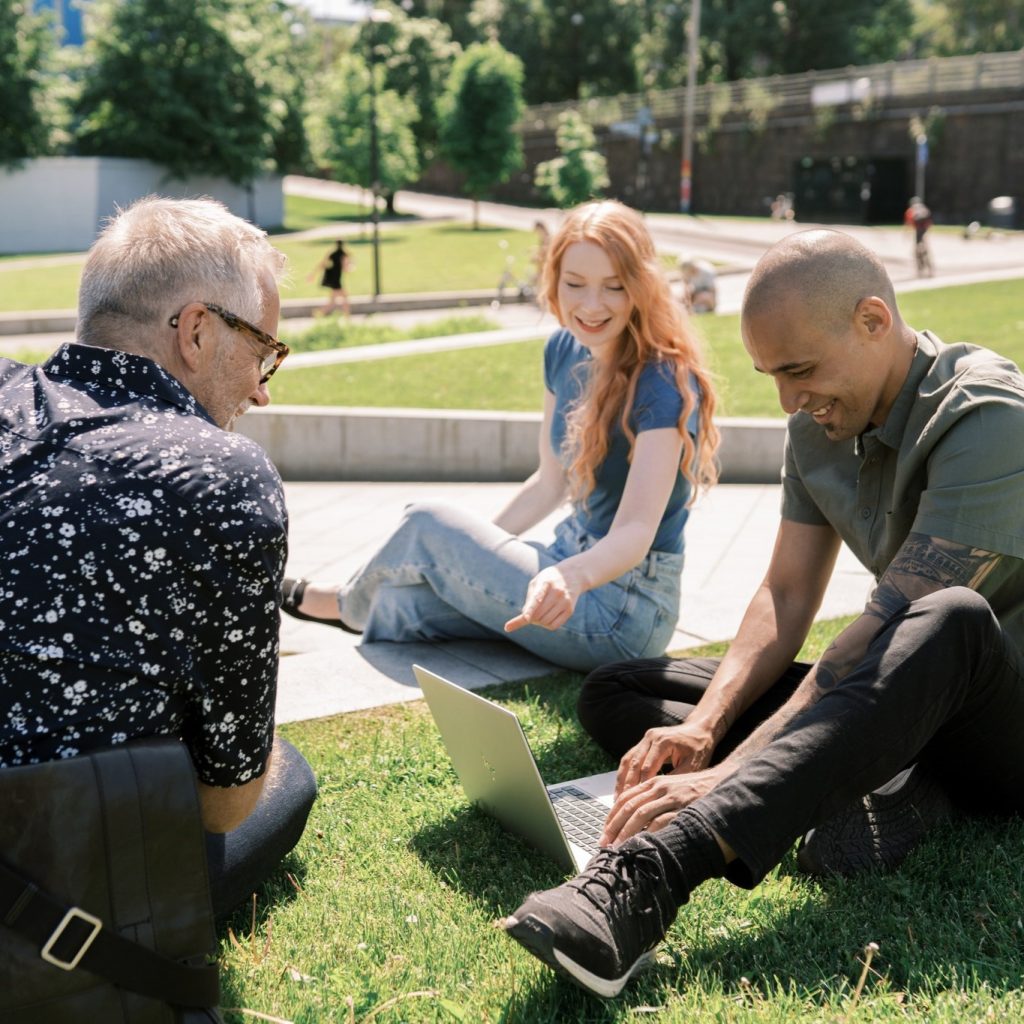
{"x":628,"y":886}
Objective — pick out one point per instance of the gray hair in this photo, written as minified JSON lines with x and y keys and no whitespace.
{"x":159,"y":254}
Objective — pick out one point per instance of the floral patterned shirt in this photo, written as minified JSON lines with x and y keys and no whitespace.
{"x":141,"y":555}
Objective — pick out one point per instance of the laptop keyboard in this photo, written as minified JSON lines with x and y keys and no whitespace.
{"x":580,"y":815}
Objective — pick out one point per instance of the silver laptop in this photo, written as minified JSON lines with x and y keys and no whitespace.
{"x":498,"y":772}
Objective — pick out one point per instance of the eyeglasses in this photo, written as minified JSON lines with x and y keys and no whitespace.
{"x":269,"y":363}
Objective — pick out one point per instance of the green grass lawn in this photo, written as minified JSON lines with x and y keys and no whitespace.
{"x":386,"y":909}
{"x":303,"y":212}
{"x":334,"y":332}
{"x":509,"y":377}
{"x":415,"y":257}
{"x":506,"y":377}
{"x":53,"y":286}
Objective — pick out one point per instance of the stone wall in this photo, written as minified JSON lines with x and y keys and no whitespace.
{"x":754,"y":141}
{"x":57,"y":204}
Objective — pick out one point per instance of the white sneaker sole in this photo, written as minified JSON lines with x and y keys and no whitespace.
{"x":538,"y":939}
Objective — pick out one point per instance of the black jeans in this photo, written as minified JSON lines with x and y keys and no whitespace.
{"x":941,"y":684}
{"x":240,"y":860}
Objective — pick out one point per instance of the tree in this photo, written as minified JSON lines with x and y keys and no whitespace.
{"x":590,"y":47}
{"x":479,"y":109}
{"x":453,"y":13}
{"x":751,"y":38}
{"x":523,"y":27}
{"x":340,"y":127}
{"x":417,"y":55}
{"x":166,"y":83}
{"x":275,"y":39}
{"x":971,"y":26}
{"x":573,"y":49}
{"x":23,"y":50}
{"x":818,"y":34}
{"x":579,"y":173}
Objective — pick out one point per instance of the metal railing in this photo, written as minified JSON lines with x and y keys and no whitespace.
{"x":866,"y":83}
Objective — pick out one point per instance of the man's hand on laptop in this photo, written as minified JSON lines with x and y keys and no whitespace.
{"x":685,"y":748}
{"x":652,"y":804}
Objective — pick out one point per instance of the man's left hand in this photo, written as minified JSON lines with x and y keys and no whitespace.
{"x":651,"y":805}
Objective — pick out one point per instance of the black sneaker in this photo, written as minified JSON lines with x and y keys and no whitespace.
{"x":878,"y":830}
{"x":600,"y":927}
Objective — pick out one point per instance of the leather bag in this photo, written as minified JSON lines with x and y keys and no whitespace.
{"x":102,"y":857}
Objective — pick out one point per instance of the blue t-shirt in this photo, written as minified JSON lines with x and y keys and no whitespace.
{"x":658,"y":403}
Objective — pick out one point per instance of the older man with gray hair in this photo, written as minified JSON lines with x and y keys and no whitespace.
{"x":143,"y":542}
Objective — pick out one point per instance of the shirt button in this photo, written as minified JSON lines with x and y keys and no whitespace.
{"x":865,"y":513}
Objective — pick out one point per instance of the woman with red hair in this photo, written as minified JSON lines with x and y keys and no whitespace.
{"x":627,"y":437}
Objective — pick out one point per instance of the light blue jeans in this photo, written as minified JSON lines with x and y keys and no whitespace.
{"x":448,"y":574}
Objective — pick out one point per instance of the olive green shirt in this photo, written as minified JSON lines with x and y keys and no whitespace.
{"x":948,"y":462}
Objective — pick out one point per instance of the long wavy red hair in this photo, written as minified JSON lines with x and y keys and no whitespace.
{"x":658,"y":330}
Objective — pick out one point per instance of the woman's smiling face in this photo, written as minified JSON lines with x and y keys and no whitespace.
{"x":592,"y":299}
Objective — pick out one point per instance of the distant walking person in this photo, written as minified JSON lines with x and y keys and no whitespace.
{"x":919,"y":217}
{"x":333,"y":265}
{"x":540,"y":254}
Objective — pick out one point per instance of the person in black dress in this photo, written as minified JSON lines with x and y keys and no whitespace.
{"x":332,"y":267}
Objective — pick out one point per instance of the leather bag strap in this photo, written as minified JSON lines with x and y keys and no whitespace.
{"x":70,"y":938}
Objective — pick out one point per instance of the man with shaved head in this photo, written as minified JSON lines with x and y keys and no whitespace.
{"x":911,"y":452}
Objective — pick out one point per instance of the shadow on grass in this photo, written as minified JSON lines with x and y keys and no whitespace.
{"x":250,"y":923}
{"x":277,"y":890}
{"x":472,"y":854}
{"x":466,"y":228}
{"x":948,"y":918}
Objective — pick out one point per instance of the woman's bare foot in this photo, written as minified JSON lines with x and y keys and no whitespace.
{"x":320,"y":600}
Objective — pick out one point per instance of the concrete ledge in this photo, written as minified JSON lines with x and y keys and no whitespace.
{"x":340,"y":443}
{"x":41,"y":321}
{"x":54,"y":321}
{"x":396,"y":303}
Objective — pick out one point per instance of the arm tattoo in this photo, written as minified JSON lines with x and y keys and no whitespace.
{"x":924,"y":565}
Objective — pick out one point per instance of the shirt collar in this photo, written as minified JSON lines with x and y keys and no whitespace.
{"x":107,"y":367}
{"x":891,"y":432}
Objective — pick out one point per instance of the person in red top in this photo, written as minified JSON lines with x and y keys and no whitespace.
{"x":919,"y":217}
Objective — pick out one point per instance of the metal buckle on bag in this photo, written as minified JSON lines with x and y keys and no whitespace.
{"x":72,"y":914}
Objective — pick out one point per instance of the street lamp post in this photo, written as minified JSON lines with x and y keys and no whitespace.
{"x":686,"y":166}
{"x":375,"y":17}
{"x":374,"y":161}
